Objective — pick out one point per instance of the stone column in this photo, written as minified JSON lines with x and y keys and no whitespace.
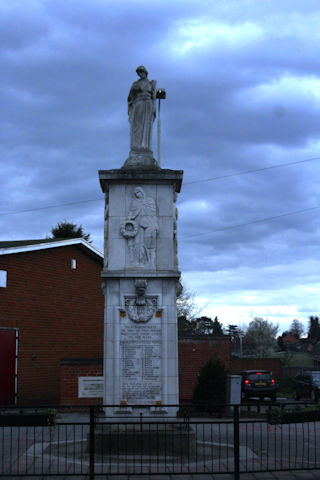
{"x":139,"y":281}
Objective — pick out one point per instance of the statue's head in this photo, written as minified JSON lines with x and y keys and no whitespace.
{"x":142,"y":69}
{"x":141,"y":287}
{"x":138,"y":192}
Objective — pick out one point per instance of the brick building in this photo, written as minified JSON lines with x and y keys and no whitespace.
{"x":50,"y":301}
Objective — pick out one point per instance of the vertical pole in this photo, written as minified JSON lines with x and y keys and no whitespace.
{"x":159,"y":134}
{"x":236,"y":442}
{"x":91,"y":443}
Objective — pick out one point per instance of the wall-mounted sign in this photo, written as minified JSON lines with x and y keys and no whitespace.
{"x":90,"y":387}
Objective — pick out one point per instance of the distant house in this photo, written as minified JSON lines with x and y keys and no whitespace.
{"x":290,"y":342}
{"x":50,"y":308}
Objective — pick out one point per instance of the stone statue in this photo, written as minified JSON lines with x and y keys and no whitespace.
{"x":142,"y":112}
{"x":141,"y":229}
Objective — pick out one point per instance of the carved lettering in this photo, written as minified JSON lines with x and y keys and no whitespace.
{"x":140,"y":362}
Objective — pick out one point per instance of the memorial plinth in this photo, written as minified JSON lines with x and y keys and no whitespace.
{"x":139,"y":281}
{"x":146,"y":439}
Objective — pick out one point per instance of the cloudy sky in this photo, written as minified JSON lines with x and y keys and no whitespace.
{"x":241,"y":119}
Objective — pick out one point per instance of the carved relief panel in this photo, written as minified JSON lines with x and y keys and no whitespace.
{"x":141,"y":307}
{"x":141,"y":229}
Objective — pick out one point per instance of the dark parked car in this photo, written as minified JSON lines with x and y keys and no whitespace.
{"x":258,"y":383}
{"x":307,"y":385}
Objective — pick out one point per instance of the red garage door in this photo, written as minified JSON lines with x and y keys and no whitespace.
{"x":7,"y":366}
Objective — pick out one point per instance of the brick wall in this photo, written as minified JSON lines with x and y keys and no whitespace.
{"x":58,"y":313}
{"x":249,"y":363}
{"x":70,"y":370}
{"x":194,"y":354}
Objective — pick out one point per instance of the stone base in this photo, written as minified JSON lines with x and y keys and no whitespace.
{"x":144,"y":439}
{"x":143,"y":160}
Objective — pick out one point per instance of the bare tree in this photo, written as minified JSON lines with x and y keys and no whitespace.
{"x":260,"y":337}
{"x":185,"y":304}
{"x":296,"y":329}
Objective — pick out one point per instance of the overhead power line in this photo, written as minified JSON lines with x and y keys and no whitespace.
{"x":52,"y":206}
{"x":221,"y":177}
{"x":254,"y":221}
{"x":245,"y":172}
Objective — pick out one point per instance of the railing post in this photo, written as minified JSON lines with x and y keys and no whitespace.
{"x":91,"y":473}
{"x":236,"y":443}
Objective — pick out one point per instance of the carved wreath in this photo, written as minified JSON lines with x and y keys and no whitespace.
{"x":129,"y":229}
{"x":140,"y":314}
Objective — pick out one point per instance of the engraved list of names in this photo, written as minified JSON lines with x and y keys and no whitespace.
{"x":140,"y":360}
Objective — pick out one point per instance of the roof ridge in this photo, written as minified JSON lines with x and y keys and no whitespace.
{"x":19,"y":246}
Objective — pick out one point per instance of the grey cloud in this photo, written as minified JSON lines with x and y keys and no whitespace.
{"x":66,"y":71}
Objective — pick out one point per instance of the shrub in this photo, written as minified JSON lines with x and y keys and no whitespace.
{"x":211,"y":386}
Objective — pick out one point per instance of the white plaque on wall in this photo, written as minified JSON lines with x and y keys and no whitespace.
{"x":90,"y":387}
{"x":3,"y":278}
{"x":140,"y":361}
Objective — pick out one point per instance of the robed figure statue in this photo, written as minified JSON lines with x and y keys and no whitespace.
{"x":141,"y":229}
{"x":142,"y":112}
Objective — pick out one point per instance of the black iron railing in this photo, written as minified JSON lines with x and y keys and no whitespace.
{"x":83,"y":442}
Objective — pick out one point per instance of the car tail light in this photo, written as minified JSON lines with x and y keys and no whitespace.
{"x":247,"y":382}
{"x":258,"y":373}
{"x":273,"y":381}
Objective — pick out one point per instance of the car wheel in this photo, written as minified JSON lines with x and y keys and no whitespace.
{"x":295,"y":395}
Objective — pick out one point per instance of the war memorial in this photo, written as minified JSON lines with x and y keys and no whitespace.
{"x":140,"y":278}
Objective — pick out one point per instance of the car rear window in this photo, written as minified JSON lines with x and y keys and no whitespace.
{"x":259,"y":377}
{"x":316,"y":377}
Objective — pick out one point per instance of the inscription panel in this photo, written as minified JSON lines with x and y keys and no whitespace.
{"x":140,"y":361}
{"x":90,"y":387}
